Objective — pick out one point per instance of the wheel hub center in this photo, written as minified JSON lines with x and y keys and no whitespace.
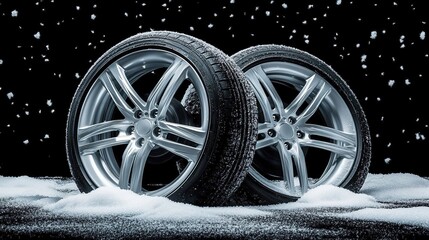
{"x":285,"y":131}
{"x":144,"y":127}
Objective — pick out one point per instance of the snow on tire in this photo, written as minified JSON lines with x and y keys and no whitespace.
{"x":130,"y":124}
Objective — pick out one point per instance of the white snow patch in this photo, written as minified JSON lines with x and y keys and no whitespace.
{"x":61,"y":196}
{"x":114,"y":201}
{"x":330,"y":196}
{"x":417,"y":216}
{"x":396,"y":187}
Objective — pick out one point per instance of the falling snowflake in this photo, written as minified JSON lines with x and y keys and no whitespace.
{"x":26,"y":141}
{"x":422,"y":35}
{"x":391,"y":82}
{"x":49,"y":102}
{"x":37,"y":35}
{"x":10,"y":95}
{"x":373,"y":34}
{"x":14,"y":13}
{"x":420,"y":136}
{"x":338,"y":2}
{"x":387,"y":160}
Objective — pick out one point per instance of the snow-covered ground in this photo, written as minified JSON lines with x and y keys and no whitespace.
{"x":61,"y":196}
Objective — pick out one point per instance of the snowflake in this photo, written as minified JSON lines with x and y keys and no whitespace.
{"x":422,"y":35}
{"x":37,"y":35}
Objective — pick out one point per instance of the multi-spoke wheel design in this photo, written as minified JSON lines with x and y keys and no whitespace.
{"x":132,"y":123}
{"x":311,"y":128}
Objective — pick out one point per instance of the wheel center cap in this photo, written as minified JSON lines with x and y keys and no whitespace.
{"x":286,"y":131}
{"x":143,"y":127}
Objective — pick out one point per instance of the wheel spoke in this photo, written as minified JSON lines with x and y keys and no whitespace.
{"x":345,"y":151}
{"x":194,"y":134}
{"x":267,"y":140}
{"x":188,"y":152}
{"x":119,"y":101}
{"x":138,"y":167}
{"x":310,"y":85}
{"x":91,"y":147}
{"x":171,"y":89}
{"x":166,"y":86}
{"x":314,"y":104}
{"x":132,"y":168}
{"x":301,"y":166}
{"x":263,"y":84}
{"x":331,"y":133}
{"x":119,"y":75}
{"x":287,"y":167}
{"x":110,"y":126}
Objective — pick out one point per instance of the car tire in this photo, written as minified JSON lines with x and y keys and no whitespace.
{"x":131,"y":123}
{"x":311,"y":130}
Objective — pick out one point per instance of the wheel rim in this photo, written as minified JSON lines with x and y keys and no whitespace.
{"x":133,"y":130}
{"x":306,"y":132}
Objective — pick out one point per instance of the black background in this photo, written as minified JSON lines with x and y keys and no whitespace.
{"x":46,"y":47}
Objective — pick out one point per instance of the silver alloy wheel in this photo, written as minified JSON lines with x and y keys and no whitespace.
{"x":287,"y":126}
{"x":160,"y":113}
{"x":141,"y":129}
{"x":311,"y":128}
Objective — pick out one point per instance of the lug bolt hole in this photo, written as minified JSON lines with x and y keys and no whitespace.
{"x":154,"y":113}
{"x":130,"y":130}
{"x":271,"y":133}
{"x":300,"y":134}
{"x":276,"y":117}
{"x":157,"y":131}
{"x":288,"y":145}
{"x":291,"y":120}
{"x":138,"y":114}
{"x":140,"y":142}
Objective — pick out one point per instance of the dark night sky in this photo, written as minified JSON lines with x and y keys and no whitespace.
{"x":379,"y":47}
